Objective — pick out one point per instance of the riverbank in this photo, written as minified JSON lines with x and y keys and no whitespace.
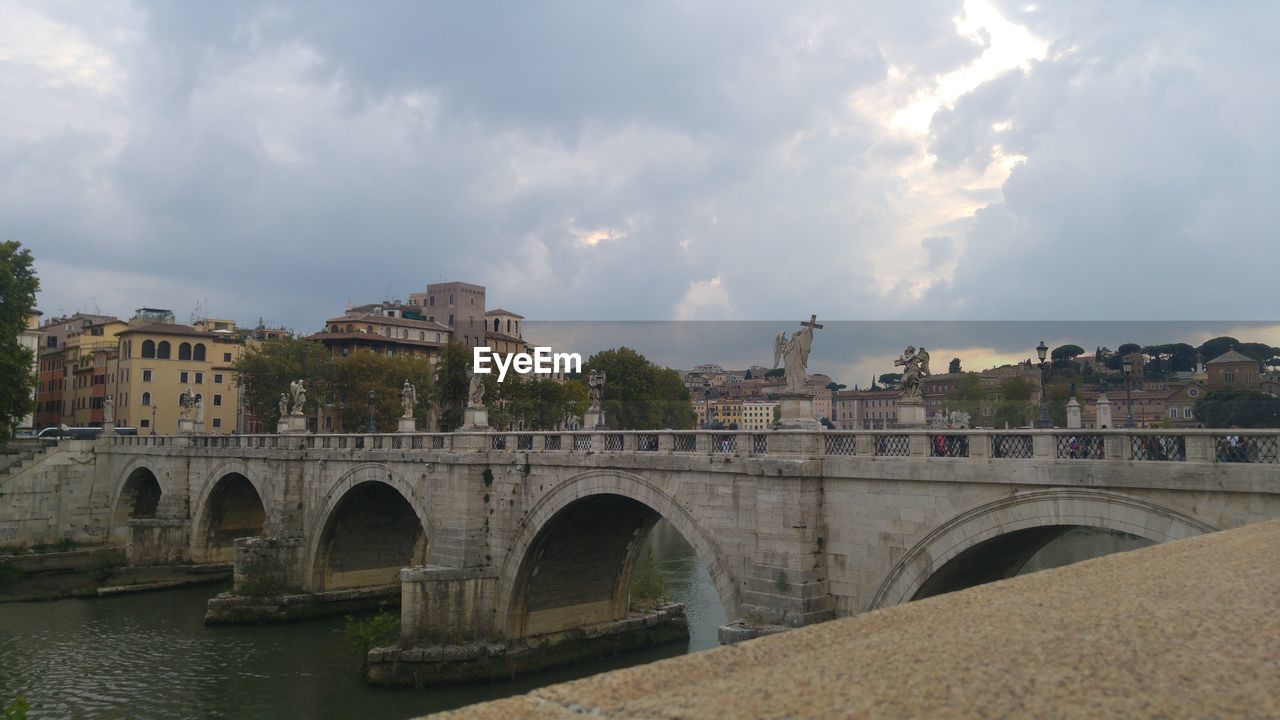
{"x":93,"y":572}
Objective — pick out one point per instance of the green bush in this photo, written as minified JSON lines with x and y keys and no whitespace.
{"x":366,"y":634}
{"x":17,"y":709}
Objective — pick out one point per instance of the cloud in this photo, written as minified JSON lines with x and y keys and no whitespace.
{"x":939,"y":159}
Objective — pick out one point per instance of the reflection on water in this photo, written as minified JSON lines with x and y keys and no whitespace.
{"x":150,"y":656}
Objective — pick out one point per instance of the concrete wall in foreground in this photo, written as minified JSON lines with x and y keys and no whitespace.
{"x":49,"y":498}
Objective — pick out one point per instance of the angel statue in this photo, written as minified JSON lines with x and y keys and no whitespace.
{"x":915,"y":365}
{"x":793,"y":353}
{"x":475,"y":388}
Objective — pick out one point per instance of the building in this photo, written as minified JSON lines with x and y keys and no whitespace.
{"x":71,"y":345}
{"x":158,"y":360}
{"x":457,"y":305}
{"x":1234,"y":369}
{"x":388,"y":335}
{"x":865,"y":409}
{"x":29,"y":338}
{"x":504,"y":333}
{"x":757,"y":414}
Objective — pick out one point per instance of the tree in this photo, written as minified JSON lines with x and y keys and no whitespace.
{"x":363,"y":371}
{"x":266,"y":370}
{"x":967,"y":396}
{"x":774,"y":373}
{"x":834,"y":386}
{"x":1015,"y":402}
{"x":1066,"y":352}
{"x":1230,"y":407}
{"x":18,"y":287}
{"x":452,"y":383}
{"x":639,"y":395}
{"x":954,"y":366}
{"x":890,"y":379}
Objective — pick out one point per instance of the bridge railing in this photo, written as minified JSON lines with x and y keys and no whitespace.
{"x":1117,"y":445}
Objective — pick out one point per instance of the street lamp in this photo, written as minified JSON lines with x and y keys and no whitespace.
{"x":372,"y":429}
{"x":1127,"y":365}
{"x":1045,"y":421}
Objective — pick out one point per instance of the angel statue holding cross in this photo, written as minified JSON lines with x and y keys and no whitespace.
{"x":793,"y":353}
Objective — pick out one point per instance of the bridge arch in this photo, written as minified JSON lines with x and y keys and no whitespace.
{"x":371,"y":523}
{"x":232,"y":504}
{"x":1022,"y":522}
{"x":588,"y":531}
{"x":136,"y":496}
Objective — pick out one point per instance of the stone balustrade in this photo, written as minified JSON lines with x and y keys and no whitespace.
{"x":1114,"y":445}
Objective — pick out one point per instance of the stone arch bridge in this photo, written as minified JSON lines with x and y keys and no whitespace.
{"x":521,"y":535}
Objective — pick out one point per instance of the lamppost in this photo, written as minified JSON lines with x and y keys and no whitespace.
{"x":1045,"y":421}
{"x":1127,"y":365}
{"x":372,"y":428}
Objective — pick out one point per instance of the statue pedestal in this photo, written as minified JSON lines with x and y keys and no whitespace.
{"x":1074,"y":421}
{"x":795,"y":412}
{"x":292,"y":425}
{"x":407,"y":425}
{"x":593,"y":420}
{"x":911,"y":413}
{"x":1103,"y":409}
{"x":108,"y":428}
{"x":475,"y":418}
{"x":186,"y":426}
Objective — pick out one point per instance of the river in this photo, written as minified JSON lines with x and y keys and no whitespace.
{"x":150,"y":656}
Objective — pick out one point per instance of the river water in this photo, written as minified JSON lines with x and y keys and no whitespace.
{"x":150,"y":656}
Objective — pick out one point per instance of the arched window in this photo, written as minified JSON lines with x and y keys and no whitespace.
{"x":198,"y":354}
{"x":148,"y":349}
{"x":162,"y":350}
{"x":495,"y":324}
{"x":184,"y":351}
{"x":508,"y":326}
{"x":146,"y":396}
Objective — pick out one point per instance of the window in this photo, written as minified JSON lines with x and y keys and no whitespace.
{"x":184,"y":351}
{"x":226,"y":357}
{"x":184,"y":377}
{"x":199,"y":378}
{"x":217,"y":401}
{"x":148,"y":348}
{"x":1187,"y":414}
{"x":217,"y":378}
{"x":146,"y":400}
{"x":495,"y":324}
{"x":217,"y":422}
{"x":1229,"y":377}
{"x":451,"y":321}
{"x":52,"y":341}
{"x":144,"y":423}
{"x":198,"y":354}
{"x":431,"y":301}
{"x":1173,"y":413}
{"x":451,"y":298}
{"x":146,"y":376}
{"x":162,"y":350}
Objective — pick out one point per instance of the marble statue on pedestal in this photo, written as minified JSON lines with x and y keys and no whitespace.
{"x":793,"y":353}
{"x":408,"y":398}
{"x":915,"y":366}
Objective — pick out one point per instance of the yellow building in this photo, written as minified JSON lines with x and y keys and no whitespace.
{"x":159,"y":361}
{"x":90,"y":356}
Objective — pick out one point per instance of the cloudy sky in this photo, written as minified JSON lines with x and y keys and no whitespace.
{"x":968,"y":159}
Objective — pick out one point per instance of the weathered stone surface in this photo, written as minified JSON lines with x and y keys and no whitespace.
{"x":1182,"y":630}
